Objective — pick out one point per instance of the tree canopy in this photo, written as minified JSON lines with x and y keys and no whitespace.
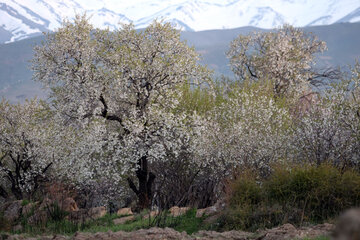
{"x":284,"y":56}
{"x":125,"y":82}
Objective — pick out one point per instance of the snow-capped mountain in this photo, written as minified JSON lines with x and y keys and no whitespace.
{"x":20,"y":19}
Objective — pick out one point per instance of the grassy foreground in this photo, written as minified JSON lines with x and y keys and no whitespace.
{"x":187,"y":222}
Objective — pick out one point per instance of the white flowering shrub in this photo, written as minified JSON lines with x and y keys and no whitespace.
{"x":329,"y":131}
{"x":249,"y":129}
{"x":25,"y":159}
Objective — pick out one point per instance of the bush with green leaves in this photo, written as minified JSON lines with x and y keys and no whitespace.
{"x":297,"y":195}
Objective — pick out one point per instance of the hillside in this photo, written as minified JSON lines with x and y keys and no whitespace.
{"x":15,"y":77}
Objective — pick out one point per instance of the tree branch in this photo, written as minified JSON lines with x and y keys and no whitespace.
{"x":321,"y":75}
{"x":132,"y":186}
{"x":104,"y":113}
{"x":251,"y":72}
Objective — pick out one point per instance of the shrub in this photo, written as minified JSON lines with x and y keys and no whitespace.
{"x":25,"y":202}
{"x":244,"y":190}
{"x":5,"y":225}
{"x":56,"y":213}
{"x":296,"y":195}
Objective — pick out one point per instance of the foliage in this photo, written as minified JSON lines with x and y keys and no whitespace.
{"x":25,"y":131}
{"x":294,"y":195}
{"x":202,"y":99}
{"x":119,"y":87}
{"x":250,"y":128}
{"x":25,"y":202}
{"x":135,"y":108}
{"x":55,"y":212}
{"x":330,"y":129}
{"x":5,"y":225}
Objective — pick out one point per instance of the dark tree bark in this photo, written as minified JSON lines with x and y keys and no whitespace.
{"x":15,"y":176}
{"x":146,"y":180}
{"x":16,"y":191}
{"x":3,"y":193}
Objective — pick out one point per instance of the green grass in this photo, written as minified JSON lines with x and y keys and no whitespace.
{"x":25,"y":202}
{"x":63,"y":227}
{"x":317,"y":238}
{"x":187,"y":222}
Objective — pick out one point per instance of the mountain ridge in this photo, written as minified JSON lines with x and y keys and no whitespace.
{"x":342,"y":40}
{"x":20,"y":19}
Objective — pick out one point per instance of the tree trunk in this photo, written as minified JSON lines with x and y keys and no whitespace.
{"x":146,"y":180}
{"x":3,"y":193}
{"x":16,"y":191}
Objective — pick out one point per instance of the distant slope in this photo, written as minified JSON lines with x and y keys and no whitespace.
{"x":21,"y":19}
{"x":15,"y":77}
{"x":342,"y":41}
{"x":15,"y":73}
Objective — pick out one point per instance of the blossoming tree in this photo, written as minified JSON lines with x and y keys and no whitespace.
{"x":329,"y":131}
{"x":249,"y":129}
{"x":284,"y":56}
{"x":25,"y":131}
{"x":121,"y":84}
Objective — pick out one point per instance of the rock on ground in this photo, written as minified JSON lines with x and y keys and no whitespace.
{"x":178,"y":211}
{"x":69,"y":205}
{"x":97,"y":212}
{"x":13,"y":211}
{"x":124,"y":211}
{"x":123,"y":220}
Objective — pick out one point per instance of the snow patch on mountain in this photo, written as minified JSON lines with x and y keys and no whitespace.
{"x":354,"y":16}
{"x":106,"y":18}
{"x":22,"y":18}
{"x":15,"y":24}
